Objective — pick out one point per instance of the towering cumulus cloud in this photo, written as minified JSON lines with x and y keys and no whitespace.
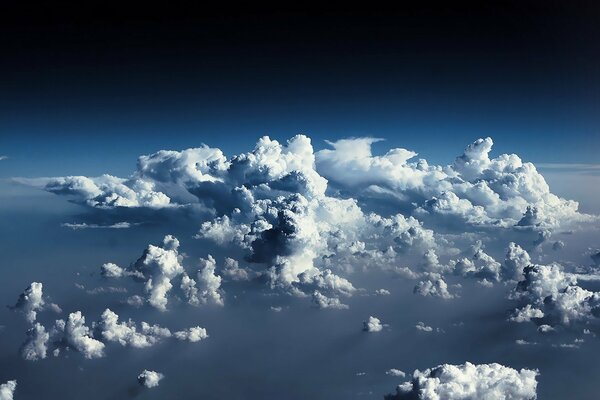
{"x":303,"y":218}
{"x":469,"y":382}
{"x":474,"y":190}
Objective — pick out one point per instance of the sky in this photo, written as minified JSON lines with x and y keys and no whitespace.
{"x":298,"y":203}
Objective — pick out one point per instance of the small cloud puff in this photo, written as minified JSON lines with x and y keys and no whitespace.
{"x":150,"y":379}
{"x":194,"y":334}
{"x":372,"y":325}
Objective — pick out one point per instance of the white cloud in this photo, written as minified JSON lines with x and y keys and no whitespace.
{"x":76,"y":335}
{"x":150,"y":379}
{"x":36,"y":344}
{"x":382,"y":292}
{"x":159,"y":265}
{"x":127,"y":334}
{"x":321,"y":301}
{"x":84,"y":225}
{"x":526,"y":314}
{"x":7,"y":390}
{"x":469,"y":382}
{"x":395,"y":372}
{"x":209,"y":283}
{"x":372,"y":325}
{"x":31,"y":301}
{"x":111,"y":270}
{"x":193,"y":334}
{"x":434,"y":286}
{"x":422,"y":327}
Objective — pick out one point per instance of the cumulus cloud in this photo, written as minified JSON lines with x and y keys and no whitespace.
{"x":150,"y":379}
{"x":469,"y":382}
{"x":549,"y":290}
{"x":434,"y":286}
{"x":321,"y":301}
{"x":31,"y":301}
{"x":474,"y":190}
{"x":7,"y":390}
{"x":36,"y":344}
{"x":305,"y":220}
{"x":126,"y":333}
{"x":372,"y":325}
{"x":209,"y":283}
{"x":74,"y":334}
{"x":111,"y":270}
{"x":193,"y":334}
{"x":526,"y":314}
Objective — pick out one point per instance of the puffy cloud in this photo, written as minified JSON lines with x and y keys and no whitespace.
{"x":233,"y":271}
{"x":469,"y":382}
{"x":321,"y":301}
{"x":7,"y":390}
{"x":480,"y":265}
{"x":126,"y":333}
{"x":75,"y":334}
{"x":208,"y":282}
{"x":434,"y":286}
{"x":111,"y":270}
{"x":382,"y":292}
{"x":36,"y":344}
{"x":557,"y":296}
{"x":31,"y":301}
{"x":372,"y":325}
{"x":474,"y":190}
{"x":159,"y":265}
{"x":526,"y":314}
{"x":515,"y":262}
{"x":194,"y":334}
{"x":422,"y":327}
{"x":150,"y":379}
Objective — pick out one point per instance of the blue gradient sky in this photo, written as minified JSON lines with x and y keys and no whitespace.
{"x":89,"y":94}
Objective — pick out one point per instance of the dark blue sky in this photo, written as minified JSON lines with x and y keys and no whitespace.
{"x":81,"y":87}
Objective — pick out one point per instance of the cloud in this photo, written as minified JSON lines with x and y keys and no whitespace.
{"x":31,"y":301}
{"x":372,"y":325}
{"x":84,"y":225}
{"x":127,"y":334}
{"x":36,"y":344}
{"x":395,"y":372}
{"x":158,"y":266}
{"x":76,"y":335}
{"x":548,"y":290}
{"x":321,"y":301}
{"x":208,"y":282}
{"x":526,"y":314}
{"x":194,"y":334}
{"x":434,"y":286}
{"x":7,"y":390}
{"x":469,"y":382}
{"x":110,"y":270}
{"x":150,"y":379}
{"x":475,"y":190}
